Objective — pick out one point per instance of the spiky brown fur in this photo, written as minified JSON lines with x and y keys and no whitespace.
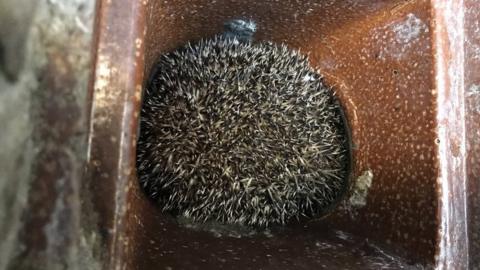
{"x":241,"y":133}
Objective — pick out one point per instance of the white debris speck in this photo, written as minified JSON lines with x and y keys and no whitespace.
{"x":360,"y":191}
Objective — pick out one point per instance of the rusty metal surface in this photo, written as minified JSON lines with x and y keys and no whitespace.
{"x":448,"y":44}
{"x":378,"y":56}
{"x":472,"y":113}
{"x":115,"y":99}
{"x":395,"y":67}
{"x":313,"y":245}
{"x":383,"y":76}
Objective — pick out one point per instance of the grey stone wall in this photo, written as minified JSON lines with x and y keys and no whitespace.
{"x":44,"y":68}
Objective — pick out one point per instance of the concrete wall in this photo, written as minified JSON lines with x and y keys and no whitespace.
{"x":44,"y":70}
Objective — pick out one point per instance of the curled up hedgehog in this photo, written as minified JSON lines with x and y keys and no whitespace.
{"x":241,"y":132}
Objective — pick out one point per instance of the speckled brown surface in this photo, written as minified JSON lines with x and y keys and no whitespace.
{"x":383,"y":58}
{"x":378,"y":57}
{"x":384,"y":78}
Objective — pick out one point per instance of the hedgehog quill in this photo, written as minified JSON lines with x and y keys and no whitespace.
{"x":241,"y":132}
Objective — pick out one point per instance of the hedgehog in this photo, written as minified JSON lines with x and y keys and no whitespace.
{"x":241,"y":132}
